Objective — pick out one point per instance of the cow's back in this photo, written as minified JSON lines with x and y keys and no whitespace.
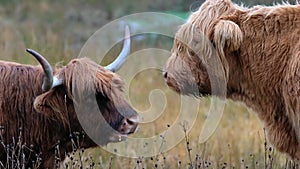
{"x":20,"y":84}
{"x":270,"y":35}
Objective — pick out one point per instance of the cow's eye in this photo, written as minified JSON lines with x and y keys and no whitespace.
{"x":192,"y":53}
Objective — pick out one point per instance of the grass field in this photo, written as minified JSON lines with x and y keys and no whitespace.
{"x":238,"y":142}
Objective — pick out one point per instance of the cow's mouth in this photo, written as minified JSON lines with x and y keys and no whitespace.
{"x":118,"y":137}
{"x":171,"y":82}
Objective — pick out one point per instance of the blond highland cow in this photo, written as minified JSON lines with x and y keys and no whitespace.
{"x":259,"y":52}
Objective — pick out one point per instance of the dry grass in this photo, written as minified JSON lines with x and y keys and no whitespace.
{"x":238,"y":142}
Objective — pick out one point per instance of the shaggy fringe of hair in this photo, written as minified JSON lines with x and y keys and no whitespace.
{"x":83,"y":76}
{"x":194,"y":40}
{"x":196,"y":32}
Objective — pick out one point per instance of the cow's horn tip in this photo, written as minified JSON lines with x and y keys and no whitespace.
{"x":28,"y":50}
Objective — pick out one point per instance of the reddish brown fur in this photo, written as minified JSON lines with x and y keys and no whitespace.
{"x":259,"y":49}
{"x":48,"y":119}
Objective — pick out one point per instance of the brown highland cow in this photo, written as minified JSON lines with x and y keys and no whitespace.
{"x":40,"y":109}
{"x":259,"y":52}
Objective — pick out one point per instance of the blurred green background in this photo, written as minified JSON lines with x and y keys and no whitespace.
{"x":58,"y":30}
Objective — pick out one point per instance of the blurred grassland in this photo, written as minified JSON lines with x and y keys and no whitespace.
{"x":58,"y":30}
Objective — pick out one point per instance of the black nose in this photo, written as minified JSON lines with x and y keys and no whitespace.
{"x":165,"y":75}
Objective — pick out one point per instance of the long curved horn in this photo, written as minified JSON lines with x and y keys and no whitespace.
{"x":48,"y":77}
{"x":115,"y":65}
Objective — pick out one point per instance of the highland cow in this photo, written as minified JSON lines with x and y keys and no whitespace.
{"x":258,"y":49}
{"x":39,"y":109}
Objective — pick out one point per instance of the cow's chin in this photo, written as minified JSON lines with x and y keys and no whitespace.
{"x":117,"y":137}
{"x":189,"y":90}
{"x":174,"y":87}
{"x":113,"y":138}
{"x":185,"y":88}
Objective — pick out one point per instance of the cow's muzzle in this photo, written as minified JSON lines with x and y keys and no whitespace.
{"x":129,"y":125}
{"x":171,"y":82}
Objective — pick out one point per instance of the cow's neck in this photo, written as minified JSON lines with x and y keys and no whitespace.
{"x":253,"y":90}
{"x":265,"y":99}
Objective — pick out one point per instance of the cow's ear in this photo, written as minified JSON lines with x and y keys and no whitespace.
{"x":226,"y":35}
{"x":52,"y":104}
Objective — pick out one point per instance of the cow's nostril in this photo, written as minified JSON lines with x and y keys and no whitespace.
{"x":165,"y":75}
{"x":130,"y":122}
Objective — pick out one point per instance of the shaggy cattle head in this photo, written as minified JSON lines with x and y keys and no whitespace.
{"x":85,"y":95}
{"x":205,"y":41}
